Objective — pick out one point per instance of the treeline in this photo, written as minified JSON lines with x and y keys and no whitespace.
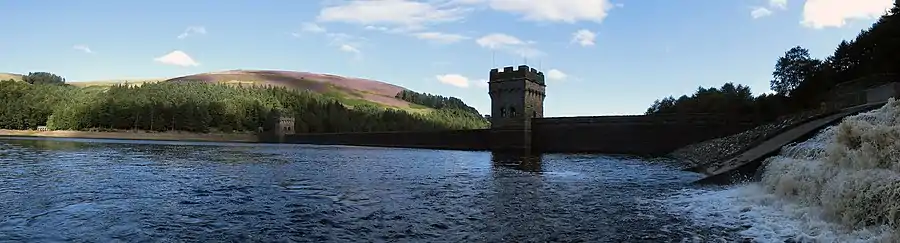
{"x":43,"y":78}
{"x":802,"y":82}
{"x":434,"y":101}
{"x":202,"y":107}
{"x":728,"y":100}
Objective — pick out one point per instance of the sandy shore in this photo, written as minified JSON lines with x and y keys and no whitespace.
{"x":136,"y":135}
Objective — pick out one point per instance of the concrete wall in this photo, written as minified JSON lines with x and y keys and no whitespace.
{"x":874,"y":94}
{"x":882,"y":93}
{"x":456,"y":139}
{"x":643,"y":135}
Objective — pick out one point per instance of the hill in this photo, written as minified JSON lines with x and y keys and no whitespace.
{"x":349,"y":90}
{"x":8,"y":76}
{"x":137,"y":82}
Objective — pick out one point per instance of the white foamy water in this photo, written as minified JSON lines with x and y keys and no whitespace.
{"x":842,"y":185}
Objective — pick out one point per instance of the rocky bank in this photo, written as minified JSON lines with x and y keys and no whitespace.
{"x":700,"y":155}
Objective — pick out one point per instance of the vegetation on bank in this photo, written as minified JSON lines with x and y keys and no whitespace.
{"x":434,"y":101}
{"x":800,"y":81}
{"x":203,"y":107}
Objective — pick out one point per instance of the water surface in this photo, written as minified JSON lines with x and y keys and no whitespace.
{"x":103,"y":190}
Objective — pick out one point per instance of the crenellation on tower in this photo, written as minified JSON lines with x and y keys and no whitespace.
{"x":517,"y":95}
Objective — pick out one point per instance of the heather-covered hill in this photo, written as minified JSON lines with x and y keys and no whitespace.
{"x":347,"y":88}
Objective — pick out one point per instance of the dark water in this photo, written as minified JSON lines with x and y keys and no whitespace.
{"x":103,"y":191}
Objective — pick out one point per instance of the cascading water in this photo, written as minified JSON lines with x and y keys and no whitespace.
{"x":842,"y":185}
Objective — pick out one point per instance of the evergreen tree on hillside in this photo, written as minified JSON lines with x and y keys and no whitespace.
{"x":43,"y":78}
{"x":434,"y":101}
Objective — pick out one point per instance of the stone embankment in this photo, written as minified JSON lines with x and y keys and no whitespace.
{"x":696,"y":157}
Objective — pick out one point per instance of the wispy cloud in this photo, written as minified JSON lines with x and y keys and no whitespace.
{"x":344,"y":42}
{"x":440,"y":37}
{"x":312,"y":27}
{"x":192,"y":30}
{"x":508,"y":43}
{"x":759,"y":12}
{"x":83,"y":48}
{"x":397,"y":13}
{"x":584,"y":37}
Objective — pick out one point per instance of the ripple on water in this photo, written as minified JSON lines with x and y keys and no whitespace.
{"x":206,"y":192}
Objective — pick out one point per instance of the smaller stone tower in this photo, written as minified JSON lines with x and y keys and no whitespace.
{"x":517,"y":96}
{"x":285,"y":126}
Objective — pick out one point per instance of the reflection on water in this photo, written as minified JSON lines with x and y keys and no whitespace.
{"x":103,"y":191}
{"x":521,"y":161}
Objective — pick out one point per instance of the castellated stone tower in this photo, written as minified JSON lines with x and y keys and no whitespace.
{"x":517,"y":95}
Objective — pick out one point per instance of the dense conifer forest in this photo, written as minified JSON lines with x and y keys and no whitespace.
{"x":435,"y":101}
{"x":45,"y":100}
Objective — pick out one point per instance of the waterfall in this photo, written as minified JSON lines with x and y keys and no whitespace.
{"x":842,"y":185}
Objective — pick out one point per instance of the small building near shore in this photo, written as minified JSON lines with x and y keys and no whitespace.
{"x":285,"y":126}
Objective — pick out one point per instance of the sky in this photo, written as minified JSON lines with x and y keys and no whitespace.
{"x":600,"y":57}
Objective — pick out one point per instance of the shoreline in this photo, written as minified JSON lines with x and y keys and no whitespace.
{"x":136,"y":135}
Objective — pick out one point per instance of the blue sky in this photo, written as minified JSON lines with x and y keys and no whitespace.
{"x":606,"y":56}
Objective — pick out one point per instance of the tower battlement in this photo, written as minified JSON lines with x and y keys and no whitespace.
{"x":513,"y":73}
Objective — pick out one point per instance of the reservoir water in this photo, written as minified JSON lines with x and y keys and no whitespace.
{"x":135,"y":191}
{"x":75,"y":190}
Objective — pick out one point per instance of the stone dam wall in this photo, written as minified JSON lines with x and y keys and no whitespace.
{"x":639,"y":135}
{"x":476,"y":139}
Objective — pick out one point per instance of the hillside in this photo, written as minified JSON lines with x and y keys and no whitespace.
{"x":137,"y":82}
{"x":8,"y":76}
{"x":348,"y":90}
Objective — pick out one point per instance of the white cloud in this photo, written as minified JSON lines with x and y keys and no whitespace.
{"x":508,"y":43}
{"x":312,"y":27}
{"x":440,"y":37}
{"x":820,"y":14}
{"x":83,"y":48}
{"x":192,"y":30}
{"x":759,"y":12}
{"x":357,"y":54}
{"x":453,"y":79}
{"x":555,"y":74}
{"x":497,"y":40}
{"x":406,"y":13}
{"x":344,"y":42}
{"x":584,"y":37}
{"x":569,"y":11}
{"x":349,"y":48}
{"x":341,"y":39}
{"x":778,"y":4}
{"x":177,"y":58}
